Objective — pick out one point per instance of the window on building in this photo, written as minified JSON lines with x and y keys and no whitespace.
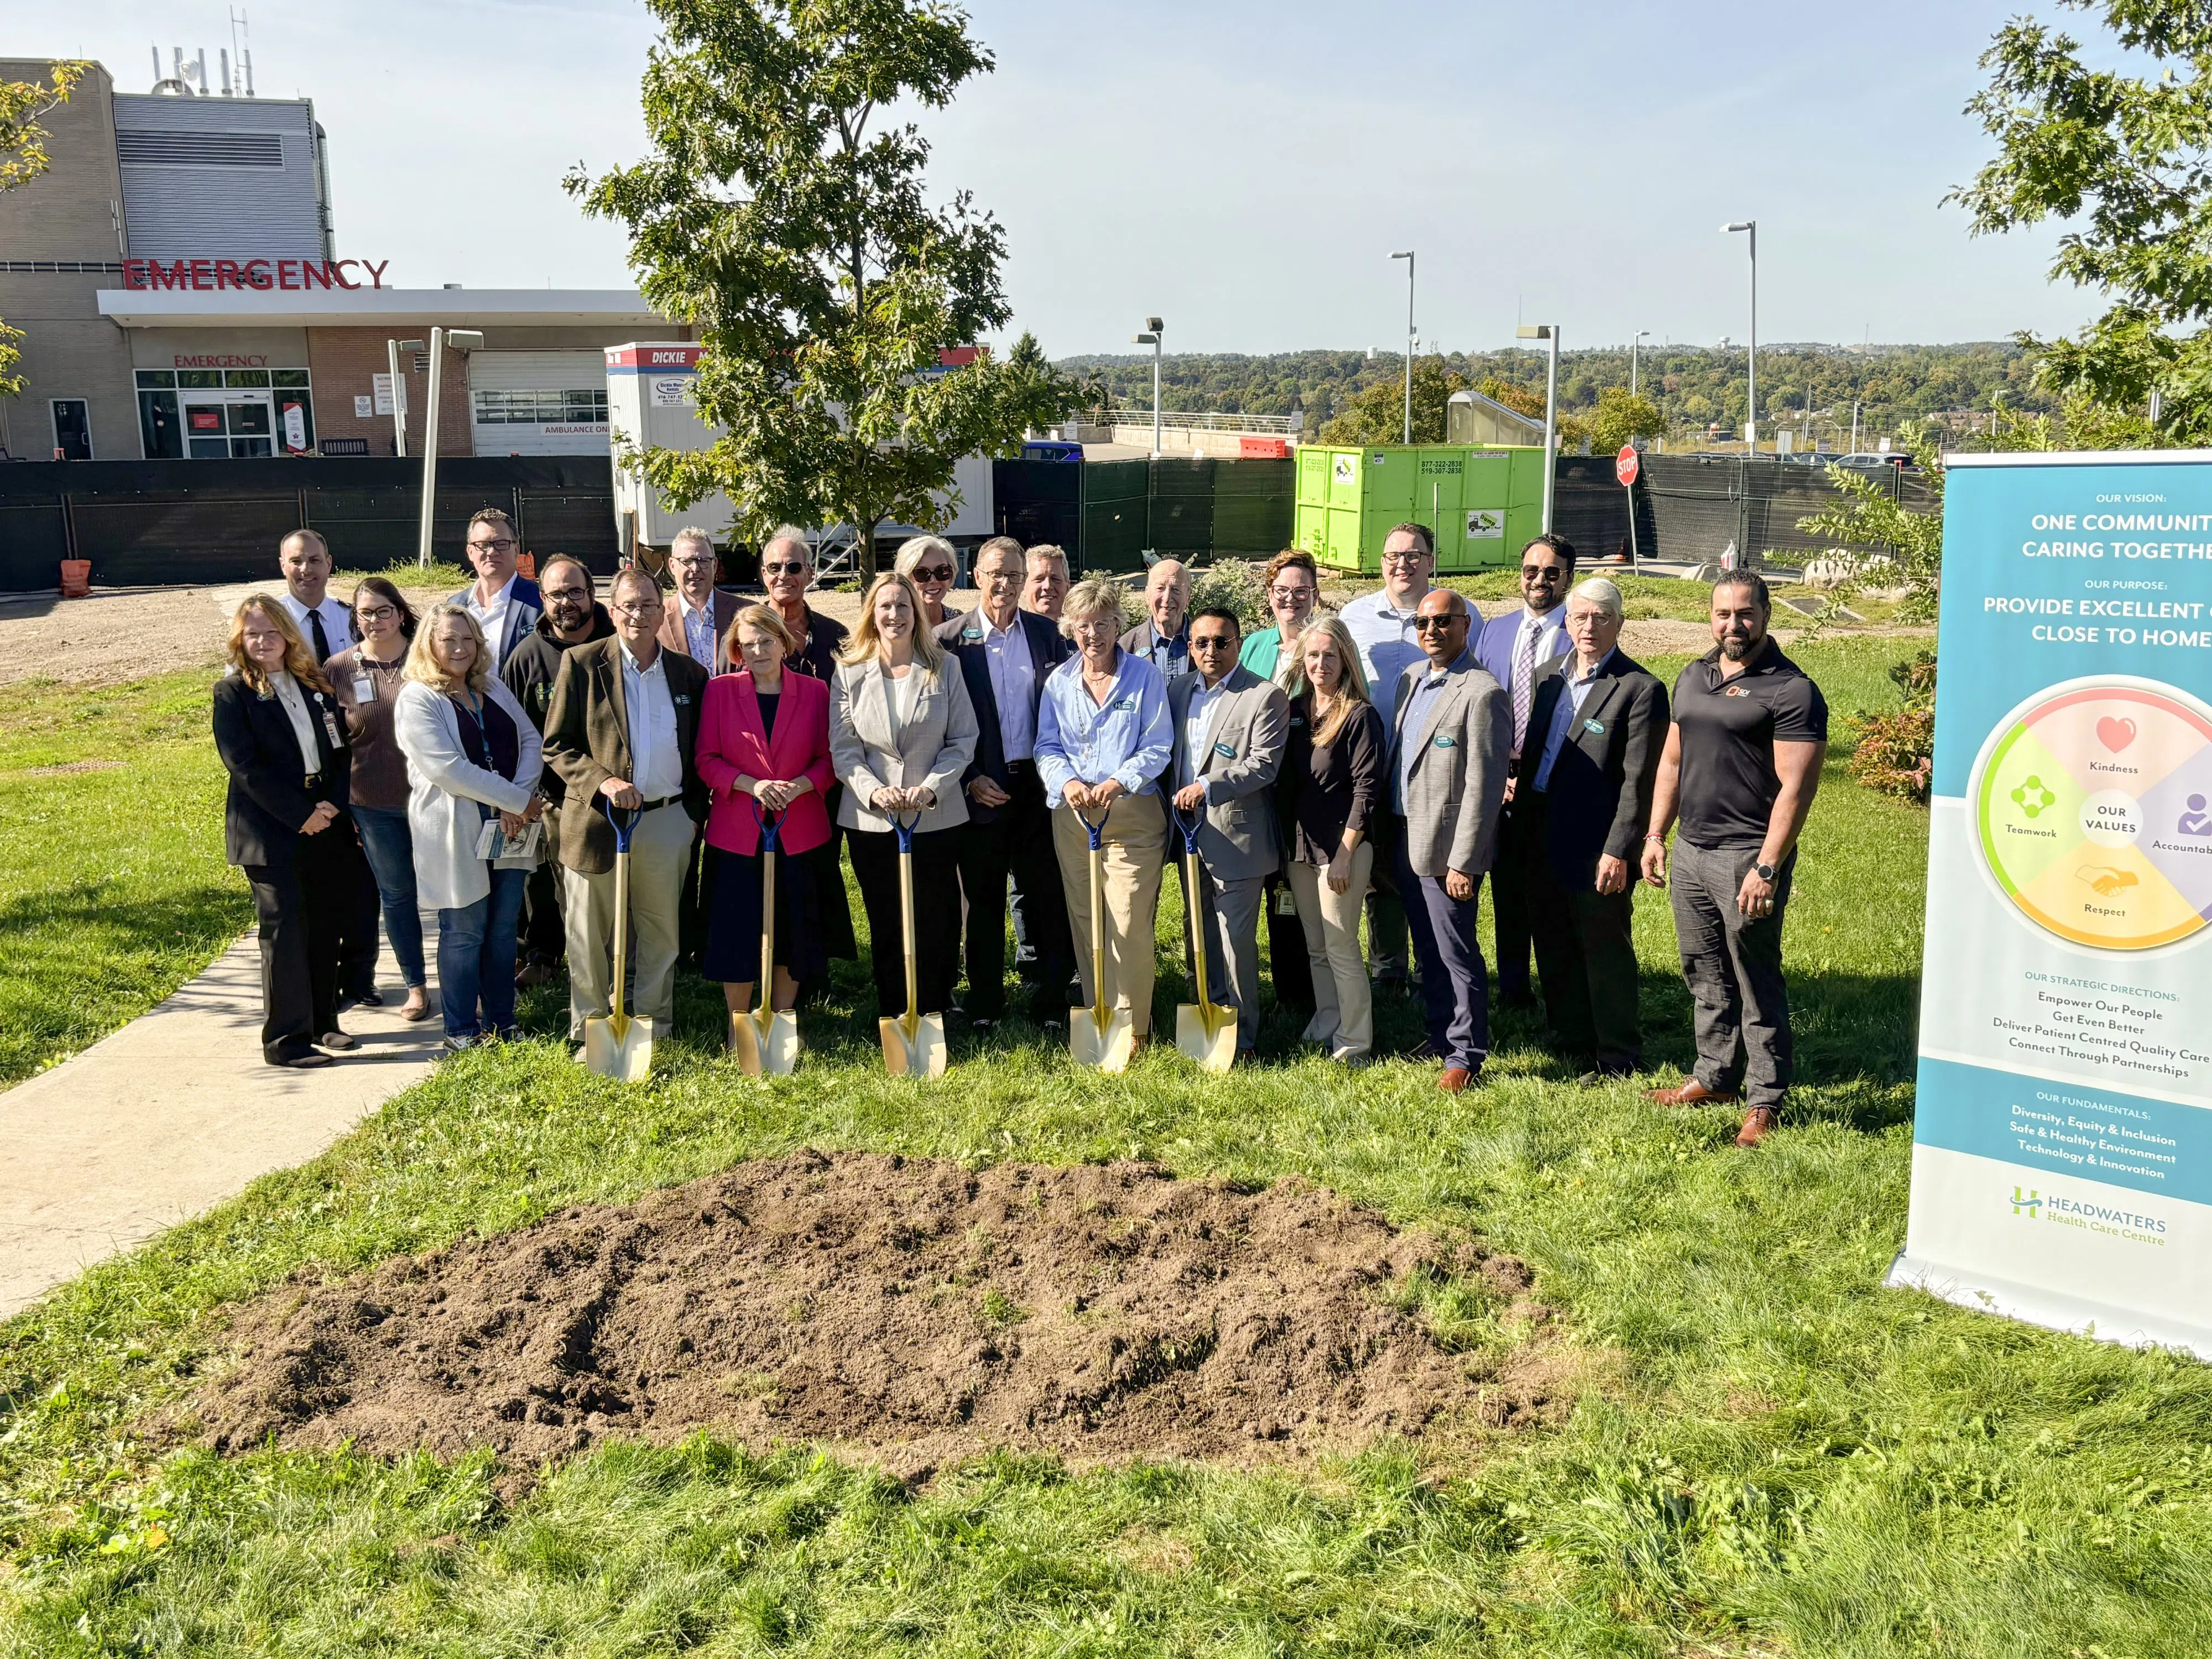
{"x":245,"y":377}
{"x":287,"y":377}
{"x":199,"y":377}
{"x":541,"y":408}
{"x":151,"y":379}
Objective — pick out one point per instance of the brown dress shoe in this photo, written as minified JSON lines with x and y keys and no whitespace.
{"x":1756,"y":1123}
{"x":1454,"y":1079}
{"x":1692,"y":1093}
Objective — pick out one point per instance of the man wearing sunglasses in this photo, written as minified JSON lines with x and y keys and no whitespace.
{"x":506,"y":605}
{"x":788,"y":571}
{"x":1521,"y":650}
{"x":1450,"y":727}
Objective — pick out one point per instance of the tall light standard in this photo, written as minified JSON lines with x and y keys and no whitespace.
{"x":461,"y":339}
{"x":392,"y":349}
{"x":1548,"y":331}
{"x":1642,"y":334}
{"x":1408,"y":257}
{"x":1751,"y":414}
{"x":1153,"y":329}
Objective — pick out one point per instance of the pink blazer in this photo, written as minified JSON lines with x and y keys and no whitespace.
{"x":732,"y":745}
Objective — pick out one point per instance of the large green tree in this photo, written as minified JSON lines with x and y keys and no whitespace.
{"x":2123,"y":155}
{"x":23,"y":158}
{"x":785,"y":214}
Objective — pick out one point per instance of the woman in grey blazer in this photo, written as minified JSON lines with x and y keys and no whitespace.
{"x":902,"y":732}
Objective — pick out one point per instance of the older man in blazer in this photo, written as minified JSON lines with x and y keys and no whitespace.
{"x":1230,"y":728}
{"x":506,"y":605}
{"x":696,"y":619}
{"x":1582,"y":794}
{"x":622,"y":730}
{"x":1450,"y":730}
{"x":1004,"y":653}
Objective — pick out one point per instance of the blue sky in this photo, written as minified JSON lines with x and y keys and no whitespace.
{"x":1245,"y":170}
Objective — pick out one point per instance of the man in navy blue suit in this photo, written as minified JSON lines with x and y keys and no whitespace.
{"x":506,"y":605}
{"x":1005,"y":654}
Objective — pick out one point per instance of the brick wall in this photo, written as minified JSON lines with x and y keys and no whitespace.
{"x":341,"y":361}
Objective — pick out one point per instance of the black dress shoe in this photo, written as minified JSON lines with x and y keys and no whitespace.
{"x":369,"y":997}
{"x":299,"y":1060}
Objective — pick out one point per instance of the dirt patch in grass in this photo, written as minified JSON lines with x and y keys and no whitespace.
{"x":911,"y":1306}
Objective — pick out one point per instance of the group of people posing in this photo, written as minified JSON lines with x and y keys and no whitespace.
{"x":1376,"y":765}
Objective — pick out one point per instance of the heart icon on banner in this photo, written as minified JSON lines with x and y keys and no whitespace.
{"x":2116,"y":734}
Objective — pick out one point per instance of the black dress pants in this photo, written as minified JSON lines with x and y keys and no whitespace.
{"x":1288,"y":963}
{"x":304,"y":904}
{"x":875,"y":857}
{"x":1586,"y":953}
{"x":359,"y":942}
{"x":1509,"y":902}
{"x":1017,"y":842}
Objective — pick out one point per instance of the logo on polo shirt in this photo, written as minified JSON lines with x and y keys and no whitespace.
{"x":1735,"y":691}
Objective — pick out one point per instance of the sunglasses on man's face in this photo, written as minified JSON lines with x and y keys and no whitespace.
{"x":1211,"y":642}
{"x":788,"y":567}
{"x":1435,"y":624}
{"x":1541,"y":573}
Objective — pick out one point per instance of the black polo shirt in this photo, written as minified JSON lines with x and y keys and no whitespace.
{"x":1730,"y":727}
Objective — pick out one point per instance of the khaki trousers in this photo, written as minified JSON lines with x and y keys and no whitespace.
{"x":1135,"y":841}
{"x":659,"y":852}
{"x":1344,"y":1006}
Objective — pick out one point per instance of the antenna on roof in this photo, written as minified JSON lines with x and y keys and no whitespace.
{"x":241,"y":44}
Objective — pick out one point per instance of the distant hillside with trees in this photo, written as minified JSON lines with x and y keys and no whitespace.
{"x":1693,"y":388}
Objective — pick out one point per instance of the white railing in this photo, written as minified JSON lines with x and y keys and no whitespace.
{"x":1213,"y":421}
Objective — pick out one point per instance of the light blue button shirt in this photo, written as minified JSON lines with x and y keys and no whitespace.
{"x":1387,"y":644}
{"x":1412,"y":732}
{"x":1130,"y":740}
{"x":1196,"y":718}
{"x":1013,"y":677}
{"x":1570,"y":704}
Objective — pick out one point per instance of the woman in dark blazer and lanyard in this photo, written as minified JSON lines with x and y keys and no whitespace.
{"x":281,"y":736}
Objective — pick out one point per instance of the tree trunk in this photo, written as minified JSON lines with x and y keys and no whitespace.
{"x":864,"y":552}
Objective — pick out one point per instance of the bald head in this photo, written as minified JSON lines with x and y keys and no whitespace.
{"x":1167,"y":597}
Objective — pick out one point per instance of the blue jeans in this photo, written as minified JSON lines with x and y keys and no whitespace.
{"x":391,"y":851}
{"x":476,"y":957}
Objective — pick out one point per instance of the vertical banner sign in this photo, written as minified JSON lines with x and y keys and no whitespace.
{"x":2061,"y":1160}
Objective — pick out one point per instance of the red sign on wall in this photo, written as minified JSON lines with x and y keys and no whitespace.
{"x":288,"y":274}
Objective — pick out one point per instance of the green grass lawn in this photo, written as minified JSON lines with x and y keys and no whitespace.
{"x":1768,"y":1454}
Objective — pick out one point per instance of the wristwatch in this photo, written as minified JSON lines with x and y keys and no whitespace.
{"x":1763,"y":872}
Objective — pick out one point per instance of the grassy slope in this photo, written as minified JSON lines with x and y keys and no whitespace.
{"x":1772,"y":1455}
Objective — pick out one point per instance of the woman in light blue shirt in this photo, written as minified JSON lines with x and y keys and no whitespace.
{"x":1103,"y":740}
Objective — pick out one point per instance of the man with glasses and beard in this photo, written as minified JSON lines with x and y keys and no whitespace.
{"x":506,"y":605}
{"x":572,"y":617}
{"x":1741,"y":764}
{"x":1521,"y":650}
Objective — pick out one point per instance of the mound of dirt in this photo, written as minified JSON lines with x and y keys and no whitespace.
{"x":911,"y":1306}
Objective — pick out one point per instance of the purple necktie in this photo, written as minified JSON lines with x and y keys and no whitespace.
{"x":1524,"y":678}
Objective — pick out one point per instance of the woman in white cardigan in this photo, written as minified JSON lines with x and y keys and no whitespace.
{"x":472,"y":759}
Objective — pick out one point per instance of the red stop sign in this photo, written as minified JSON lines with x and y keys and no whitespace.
{"x":1626,"y":464}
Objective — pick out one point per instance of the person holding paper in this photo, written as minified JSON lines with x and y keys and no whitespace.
{"x":473,"y":808}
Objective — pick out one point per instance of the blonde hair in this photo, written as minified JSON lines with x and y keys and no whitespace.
{"x":914,"y":548}
{"x":1090,"y":598}
{"x":299,"y":662}
{"x":867,"y":645}
{"x":769,"y":620}
{"x":1351,"y":688}
{"x":422,"y":665}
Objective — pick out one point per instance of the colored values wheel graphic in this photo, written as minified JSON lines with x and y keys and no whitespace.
{"x":2094,"y":810}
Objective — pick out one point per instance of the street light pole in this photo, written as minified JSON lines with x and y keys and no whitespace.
{"x":392,"y":349}
{"x":1751,"y":367}
{"x":461,"y":339}
{"x":1548,"y":331}
{"x":1153,"y":329}
{"x":1408,"y":257}
{"x":1642,"y":334}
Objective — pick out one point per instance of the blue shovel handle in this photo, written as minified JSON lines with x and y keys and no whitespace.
{"x":621,"y":820}
{"x":767,"y":823}
{"x":1096,"y":831}
{"x":1190,"y":830}
{"x":905,"y":830}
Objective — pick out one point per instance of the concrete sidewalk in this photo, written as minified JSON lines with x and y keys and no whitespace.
{"x":175,"y":1113}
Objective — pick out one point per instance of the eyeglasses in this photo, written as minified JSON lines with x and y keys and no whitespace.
{"x":504,"y":544}
{"x":1286,"y":594}
{"x":699,"y":560}
{"x":643,"y":608}
{"x":940,"y":572}
{"x":1435,"y":624}
{"x":376,"y":613}
{"x":788,"y":567}
{"x":1409,"y":555}
{"x":565,"y":592}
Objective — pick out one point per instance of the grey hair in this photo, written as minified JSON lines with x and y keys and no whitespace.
{"x":693,"y":533}
{"x":1091,"y":597}
{"x":789,"y":533}
{"x":914,"y":548}
{"x":1601,"y":592}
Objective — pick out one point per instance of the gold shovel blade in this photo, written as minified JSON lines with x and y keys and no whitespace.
{"x":1105,"y":1044}
{"x":1207,"y":1032}
{"x":917,"y":1050}
{"x":765,"y":1044}
{"x":621,"y":1048}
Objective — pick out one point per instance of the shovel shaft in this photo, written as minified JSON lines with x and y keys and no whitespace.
{"x":1194,"y":902}
{"x":1099,"y":938}
{"x":622,"y":930}
{"x":906,"y":931}
{"x":767,"y":931}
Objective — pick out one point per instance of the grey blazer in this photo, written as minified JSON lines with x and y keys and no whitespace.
{"x":871,"y":751}
{"x":1246,"y":730}
{"x":1456,"y":791}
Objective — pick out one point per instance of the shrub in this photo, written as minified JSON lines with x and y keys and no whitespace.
{"x":1895,"y":747}
{"x":1233,"y":585}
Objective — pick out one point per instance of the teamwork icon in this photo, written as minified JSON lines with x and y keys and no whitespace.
{"x":2092,"y":807}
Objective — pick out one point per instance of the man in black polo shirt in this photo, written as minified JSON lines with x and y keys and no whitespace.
{"x":1742,"y":760}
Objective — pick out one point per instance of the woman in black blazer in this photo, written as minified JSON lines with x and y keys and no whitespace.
{"x":281,"y":736}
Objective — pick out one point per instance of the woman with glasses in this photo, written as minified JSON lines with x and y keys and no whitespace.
{"x":1103,"y":739}
{"x":1293,"y":585}
{"x":473,"y":762}
{"x":1331,"y":792}
{"x":366,"y":680}
{"x":933,"y":564}
{"x":902,"y":732}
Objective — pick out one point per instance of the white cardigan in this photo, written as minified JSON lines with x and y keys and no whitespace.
{"x":444,"y":788}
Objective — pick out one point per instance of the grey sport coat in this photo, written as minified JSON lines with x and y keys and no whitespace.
{"x":1457,"y":791}
{"x":1246,"y":730}
{"x":872,"y":750}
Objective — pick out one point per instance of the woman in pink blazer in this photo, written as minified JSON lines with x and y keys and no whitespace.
{"x":765,"y":752}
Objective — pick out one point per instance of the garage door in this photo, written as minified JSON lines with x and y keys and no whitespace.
{"x":539,"y":402}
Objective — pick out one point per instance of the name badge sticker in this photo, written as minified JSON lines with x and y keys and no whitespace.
{"x":683,"y":699}
{"x":1441,"y":741}
{"x":1227,"y":751}
{"x":971,"y":633}
{"x":364,"y":688}
{"x":331,"y":730}
{"x":1595,"y":728}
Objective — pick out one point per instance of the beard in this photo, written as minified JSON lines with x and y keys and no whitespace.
{"x":1738,"y":647}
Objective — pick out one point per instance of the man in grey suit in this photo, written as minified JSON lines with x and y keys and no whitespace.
{"x":1229,"y":729}
{"x":1450,"y":729}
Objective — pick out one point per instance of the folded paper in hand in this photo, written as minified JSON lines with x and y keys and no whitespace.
{"x":515,"y":852}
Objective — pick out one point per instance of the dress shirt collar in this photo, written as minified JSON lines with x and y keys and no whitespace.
{"x":497,"y":600}
{"x":630,"y":659}
{"x":685,"y":608}
{"x":1574,"y":660}
{"x":1014,"y":627}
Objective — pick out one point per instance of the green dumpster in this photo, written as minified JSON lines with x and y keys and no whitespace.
{"x":1482,"y":502}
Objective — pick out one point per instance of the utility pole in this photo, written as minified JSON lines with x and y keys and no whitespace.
{"x":461,"y":339}
{"x":1153,"y":329}
{"x":1751,"y":369}
{"x":1642,"y":334}
{"x":1408,"y":257}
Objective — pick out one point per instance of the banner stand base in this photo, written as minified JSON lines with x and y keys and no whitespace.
{"x":2049,"y":1309}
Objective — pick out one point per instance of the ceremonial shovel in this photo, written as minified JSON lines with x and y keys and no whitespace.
{"x":1206,"y":1032}
{"x":914,"y":1046}
{"x":766,"y":1039}
{"x":1099,"y":1035}
{"x":620,"y":1045}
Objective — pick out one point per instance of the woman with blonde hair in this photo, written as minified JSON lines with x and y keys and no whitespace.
{"x":472,"y":760}
{"x":1103,"y":740}
{"x":933,"y":565}
{"x":282,"y":738}
{"x":1330,"y":794}
{"x":902,"y":732}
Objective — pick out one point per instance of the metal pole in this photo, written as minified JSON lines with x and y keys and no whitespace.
{"x":1750,"y":418}
{"x":430,"y":448}
{"x":1634,"y":346}
{"x":398,"y":403}
{"x":1854,"y":426}
{"x":1550,"y":426}
{"x":1409,"y":350}
{"x":1156,"y":390}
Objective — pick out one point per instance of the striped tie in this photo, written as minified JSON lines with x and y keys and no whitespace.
{"x":1524,"y":683}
